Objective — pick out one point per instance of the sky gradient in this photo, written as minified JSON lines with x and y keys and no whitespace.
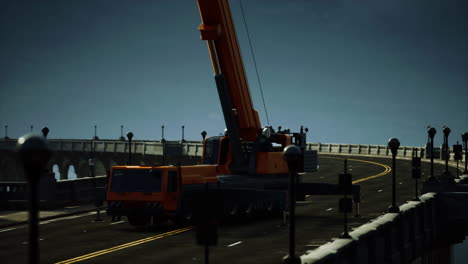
{"x":351,"y":73}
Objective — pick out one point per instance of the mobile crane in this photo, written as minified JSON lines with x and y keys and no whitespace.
{"x":245,"y":164}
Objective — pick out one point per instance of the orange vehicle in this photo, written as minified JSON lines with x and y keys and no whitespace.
{"x":245,"y":164}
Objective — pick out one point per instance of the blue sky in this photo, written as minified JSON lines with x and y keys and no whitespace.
{"x":351,"y":73}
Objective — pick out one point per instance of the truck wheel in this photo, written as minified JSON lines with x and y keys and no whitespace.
{"x":138,"y":220}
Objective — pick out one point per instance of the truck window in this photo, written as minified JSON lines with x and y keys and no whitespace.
{"x":136,"y":180}
{"x":172,"y":181}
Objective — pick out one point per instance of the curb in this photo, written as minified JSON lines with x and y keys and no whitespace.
{"x":48,"y":218}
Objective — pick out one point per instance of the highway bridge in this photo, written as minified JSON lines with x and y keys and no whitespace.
{"x":107,"y":153}
{"x":77,"y":238}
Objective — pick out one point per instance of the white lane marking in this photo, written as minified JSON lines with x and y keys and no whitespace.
{"x":235,"y":244}
{"x":329,"y":209}
{"x":116,"y":223}
{"x":48,"y":221}
{"x":66,"y":218}
{"x":9,"y":229}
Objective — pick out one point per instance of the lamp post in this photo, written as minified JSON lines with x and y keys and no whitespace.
{"x":121,"y":133}
{"x":129,"y":136}
{"x":162,"y":133}
{"x":431,"y":133}
{"x":291,"y":155}
{"x":45,"y":131}
{"x":446,"y":175}
{"x":95,"y":132}
{"x":34,"y":153}
{"x":203,"y":134}
{"x":465,"y":142}
{"x":6,"y":132}
{"x":394,"y":144}
{"x":183,"y":127}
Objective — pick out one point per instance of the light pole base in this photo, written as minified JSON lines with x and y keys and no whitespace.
{"x":291,"y":260}
{"x":393,"y":209}
{"x":345,"y":235}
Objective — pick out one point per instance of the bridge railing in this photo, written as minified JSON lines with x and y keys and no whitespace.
{"x":52,"y":193}
{"x":188,"y":148}
{"x":370,"y":150}
{"x":195,"y":148}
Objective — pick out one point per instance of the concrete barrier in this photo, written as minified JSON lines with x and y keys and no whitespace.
{"x":419,"y":232}
{"x":52,"y":193}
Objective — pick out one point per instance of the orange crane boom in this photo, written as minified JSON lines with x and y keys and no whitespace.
{"x":217,"y":29}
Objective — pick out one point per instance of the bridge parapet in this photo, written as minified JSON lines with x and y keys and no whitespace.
{"x":195,"y":148}
{"x":52,"y":193}
{"x":421,"y":230}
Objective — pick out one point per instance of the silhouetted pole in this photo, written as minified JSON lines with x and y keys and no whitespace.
{"x":34,"y":154}
{"x":457,"y":155}
{"x":416,"y":173}
{"x":394,"y":144}
{"x":431,"y":133}
{"x":291,"y":155}
{"x":203,"y":134}
{"x":345,"y":184}
{"x":162,"y":132}
{"x":121,"y":133}
{"x":446,"y":175}
{"x":129,"y":136}
{"x":6,"y":132}
{"x":95,"y":132}
{"x":465,"y":142}
{"x":31,"y":128}
{"x":45,"y":131}
{"x":183,"y":139}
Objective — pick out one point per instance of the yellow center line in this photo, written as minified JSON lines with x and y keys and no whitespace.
{"x":387,"y":168}
{"x":124,"y":246}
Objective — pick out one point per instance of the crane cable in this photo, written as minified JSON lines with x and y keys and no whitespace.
{"x":255,"y":63}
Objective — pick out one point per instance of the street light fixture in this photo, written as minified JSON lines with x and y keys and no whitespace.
{"x":203,"y":134}
{"x":45,"y":131}
{"x":465,"y":142}
{"x":431,"y":133}
{"x":394,"y":144}
{"x":6,"y":132}
{"x":129,"y":136}
{"x":446,"y":175}
{"x":95,"y":133}
{"x":183,"y":128}
{"x":121,"y":133}
{"x":291,"y":155}
{"x":34,"y":153}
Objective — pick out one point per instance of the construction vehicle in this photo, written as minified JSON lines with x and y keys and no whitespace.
{"x":245,"y":164}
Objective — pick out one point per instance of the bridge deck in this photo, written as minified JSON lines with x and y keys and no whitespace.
{"x":258,"y":241}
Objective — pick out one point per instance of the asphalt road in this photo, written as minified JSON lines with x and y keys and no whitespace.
{"x":78,"y":239}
